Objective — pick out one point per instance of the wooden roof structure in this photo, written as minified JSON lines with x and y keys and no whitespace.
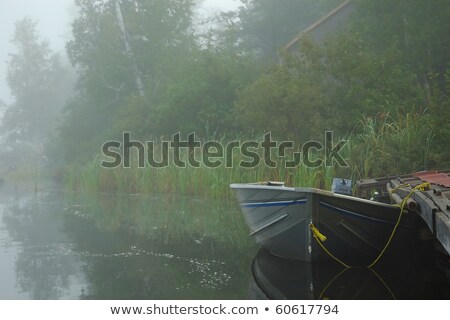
{"x":328,"y":23}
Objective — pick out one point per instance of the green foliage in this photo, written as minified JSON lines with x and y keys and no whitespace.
{"x":417,"y":27}
{"x":390,"y":59}
{"x":362,"y":81}
{"x":388,"y":145}
{"x":439,"y":110}
{"x":202,"y":181}
{"x":158,"y":33}
{"x":287,"y":100}
{"x":39,"y":84}
{"x":329,"y":85}
{"x":202,"y":99}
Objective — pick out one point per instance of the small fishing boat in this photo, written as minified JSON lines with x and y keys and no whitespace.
{"x":309,"y":224}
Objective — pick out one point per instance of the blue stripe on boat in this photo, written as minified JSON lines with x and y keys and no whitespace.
{"x":273,"y":203}
{"x":354,"y":214}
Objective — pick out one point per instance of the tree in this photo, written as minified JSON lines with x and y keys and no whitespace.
{"x":417,"y":27}
{"x":288,"y":100}
{"x":39,"y":84}
{"x":152,"y":39}
{"x":328,"y":86}
{"x":110,"y":48}
{"x":201,"y":99}
{"x":419,"y":32}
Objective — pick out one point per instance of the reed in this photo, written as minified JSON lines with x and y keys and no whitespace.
{"x":202,"y":181}
{"x":384,"y":145}
{"x":388,"y":145}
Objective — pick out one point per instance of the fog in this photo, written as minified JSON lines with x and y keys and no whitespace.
{"x":123,"y":124}
{"x":156,"y":68}
{"x":53,"y":24}
{"x":54,"y":18}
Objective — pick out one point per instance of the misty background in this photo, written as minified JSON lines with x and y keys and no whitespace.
{"x":75,"y":74}
{"x":54,"y":19}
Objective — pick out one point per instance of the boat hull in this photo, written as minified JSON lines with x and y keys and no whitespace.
{"x":280,"y":220}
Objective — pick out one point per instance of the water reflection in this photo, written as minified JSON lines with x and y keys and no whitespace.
{"x":410,"y":275}
{"x":78,"y":246}
{"x":59,"y":245}
{"x":34,"y":236}
{"x":156,"y":247}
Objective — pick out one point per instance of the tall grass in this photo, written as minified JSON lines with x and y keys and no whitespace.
{"x":384,"y":145}
{"x":202,"y":181}
{"x":388,"y":145}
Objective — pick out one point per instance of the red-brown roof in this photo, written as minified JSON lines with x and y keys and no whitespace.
{"x":440,"y":179}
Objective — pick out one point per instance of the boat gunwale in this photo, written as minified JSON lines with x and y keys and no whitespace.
{"x":311,"y":190}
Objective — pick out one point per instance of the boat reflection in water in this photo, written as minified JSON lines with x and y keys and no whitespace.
{"x":396,"y":277}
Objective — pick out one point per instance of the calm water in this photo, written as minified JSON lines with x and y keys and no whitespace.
{"x":60,"y":245}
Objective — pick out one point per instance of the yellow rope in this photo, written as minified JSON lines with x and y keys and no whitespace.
{"x":320,"y":238}
{"x":317,"y":233}
{"x":421,"y":187}
{"x":405,"y":185}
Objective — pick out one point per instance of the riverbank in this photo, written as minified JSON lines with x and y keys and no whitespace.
{"x":202,"y":182}
{"x":382,"y":146}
